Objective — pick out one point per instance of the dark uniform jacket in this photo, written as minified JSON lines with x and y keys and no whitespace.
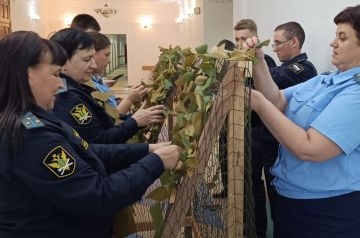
{"x":63,"y":187}
{"x":296,"y":70}
{"x":269,"y":61}
{"x":76,"y":107}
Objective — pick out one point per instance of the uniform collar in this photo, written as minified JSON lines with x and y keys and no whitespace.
{"x":70,"y":81}
{"x":96,"y":78}
{"x":296,"y":59}
{"x":48,"y":115}
{"x":339,"y":77}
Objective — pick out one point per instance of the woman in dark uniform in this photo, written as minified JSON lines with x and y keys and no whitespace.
{"x":102,"y":57}
{"x":52,"y":182}
{"x":76,"y":106}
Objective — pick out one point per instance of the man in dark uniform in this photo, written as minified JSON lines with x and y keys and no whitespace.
{"x":85,"y":22}
{"x":288,"y":41}
{"x":244,"y":29}
{"x":295,"y":68}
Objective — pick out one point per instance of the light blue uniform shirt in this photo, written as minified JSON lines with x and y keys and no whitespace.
{"x":331,"y":105}
{"x":103,"y":88}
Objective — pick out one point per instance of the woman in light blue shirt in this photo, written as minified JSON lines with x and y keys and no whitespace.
{"x":317,"y":172}
{"x":102,"y":59}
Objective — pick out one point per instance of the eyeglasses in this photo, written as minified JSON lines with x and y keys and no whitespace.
{"x":277,"y":44}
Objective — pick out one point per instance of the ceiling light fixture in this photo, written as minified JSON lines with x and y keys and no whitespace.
{"x":106,"y":11}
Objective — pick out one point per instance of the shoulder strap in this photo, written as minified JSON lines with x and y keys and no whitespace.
{"x":30,"y":121}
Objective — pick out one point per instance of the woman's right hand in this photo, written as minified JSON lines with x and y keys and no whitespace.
{"x":252,"y":43}
{"x":153,"y":147}
{"x":148,"y":116}
{"x":169,"y":154}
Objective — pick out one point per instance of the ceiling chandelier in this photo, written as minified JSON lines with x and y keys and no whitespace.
{"x":106,"y":11}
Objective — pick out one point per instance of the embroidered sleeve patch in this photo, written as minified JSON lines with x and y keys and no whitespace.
{"x":60,"y":162}
{"x":84,"y":144}
{"x":296,"y":68}
{"x":81,"y":114}
{"x":76,"y":133}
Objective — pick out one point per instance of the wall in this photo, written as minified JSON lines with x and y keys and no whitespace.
{"x":191,"y":31}
{"x":218,"y":21}
{"x":315,"y":16}
{"x":20,"y":16}
{"x":142,"y":44}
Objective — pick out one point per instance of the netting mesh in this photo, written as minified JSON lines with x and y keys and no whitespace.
{"x":216,"y":201}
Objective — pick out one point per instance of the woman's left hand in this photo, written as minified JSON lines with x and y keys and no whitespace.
{"x":256,"y":99}
{"x":137,"y":93}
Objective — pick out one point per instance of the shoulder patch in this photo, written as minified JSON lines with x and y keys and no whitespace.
{"x":60,"y":162}
{"x":65,"y":88}
{"x":296,"y":68}
{"x":81,"y":114}
{"x":30,"y":121}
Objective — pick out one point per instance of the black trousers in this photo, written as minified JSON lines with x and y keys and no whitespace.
{"x":264,"y":154}
{"x":335,"y":217}
{"x":264,"y":150}
{"x":223,"y":155}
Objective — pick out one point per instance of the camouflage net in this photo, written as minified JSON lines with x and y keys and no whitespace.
{"x":209,"y":193}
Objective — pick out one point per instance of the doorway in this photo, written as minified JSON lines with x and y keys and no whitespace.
{"x":118,"y":69}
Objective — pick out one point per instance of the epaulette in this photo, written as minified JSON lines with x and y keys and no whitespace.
{"x":326,"y":73}
{"x":357,"y":77}
{"x":296,"y":68}
{"x":30,"y":121}
{"x":65,"y":88}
